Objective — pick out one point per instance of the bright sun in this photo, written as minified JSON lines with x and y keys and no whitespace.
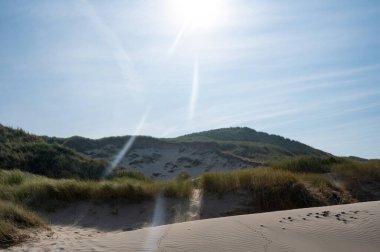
{"x":198,"y":14}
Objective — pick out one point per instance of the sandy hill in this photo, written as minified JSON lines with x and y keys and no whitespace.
{"x":215,"y":150}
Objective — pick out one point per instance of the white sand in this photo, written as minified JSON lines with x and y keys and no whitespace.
{"x":170,"y":160}
{"x":357,"y":229}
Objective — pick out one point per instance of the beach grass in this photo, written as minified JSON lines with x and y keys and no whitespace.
{"x":270,"y":189}
{"x":13,"y":220}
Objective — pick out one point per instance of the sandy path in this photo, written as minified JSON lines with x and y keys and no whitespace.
{"x":353,"y":227}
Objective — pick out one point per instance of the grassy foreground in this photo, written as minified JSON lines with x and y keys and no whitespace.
{"x":36,"y":191}
{"x":20,"y":191}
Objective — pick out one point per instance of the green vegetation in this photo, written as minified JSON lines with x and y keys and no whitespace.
{"x":244,"y":179}
{"x":177,"y":188}
{"x":13,"y":219}
{"x":361,"y":179}
{"x":123,"y":173}
{"x":82,"y":144}
{"x":270,"y":189}
{"x":309,"y":164}
{"x":109,"y":145}
{"x":344,"y":168}
{"x":358,"y":171}
{"x":37,"y":191}
{"x":248,"y":143}
{"x":19,"y":150}
{"x":301,"y":182}
{"x":243,"y":143}
{"x":20,"y":189}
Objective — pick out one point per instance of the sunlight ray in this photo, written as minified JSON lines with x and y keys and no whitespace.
{"x":156,"y":233}
{"x":127,"y":146}
{"x":178,"y":38}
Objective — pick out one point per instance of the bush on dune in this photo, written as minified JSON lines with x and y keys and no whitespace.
{"x":26,"y":152}
{"x":49,"y":160}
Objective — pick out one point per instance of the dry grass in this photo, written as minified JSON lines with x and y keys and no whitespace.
{"x":323,"y":189}
{"x":37,"y":191}
{"x":13,"y":219}
{"x":361,"y":179}
{"x":18,"y":189}
{"x":359,"y":171}
{"x":270,"y":189}
{"x":246,"y":179}
{"x":177,"y":188}
{"x":309,"y":164}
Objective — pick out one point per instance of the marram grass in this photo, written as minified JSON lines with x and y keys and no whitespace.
{"x":13,"y":219}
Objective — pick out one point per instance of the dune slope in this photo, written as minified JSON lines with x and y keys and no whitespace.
{"x":352,"y":227}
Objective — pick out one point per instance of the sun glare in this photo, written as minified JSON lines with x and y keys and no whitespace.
{"x":197,"y":14}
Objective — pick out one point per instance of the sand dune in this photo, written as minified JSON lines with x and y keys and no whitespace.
{"x":168,"y":161}
{"x":353,"y":227}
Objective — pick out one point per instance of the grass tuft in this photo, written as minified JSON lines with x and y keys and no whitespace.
{"x":123,"y":173}
{"x":309,"y":164}
{"x":13,"y":219}
{"x":41,"y":192}
{"x":271,"y":189}
{"x":177,"y":188}
{"x":359,"y":171}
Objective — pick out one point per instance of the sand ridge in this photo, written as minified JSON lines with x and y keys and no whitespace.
{"x":352,"y":227}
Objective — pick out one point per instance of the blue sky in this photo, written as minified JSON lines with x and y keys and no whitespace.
{"x":306,"y":70}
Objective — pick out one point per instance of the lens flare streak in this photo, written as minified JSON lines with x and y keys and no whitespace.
{"x":155,"y":233}
{"x":195,"y":204}
{"x":177,"y":39}
{"x":127,"y":146}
